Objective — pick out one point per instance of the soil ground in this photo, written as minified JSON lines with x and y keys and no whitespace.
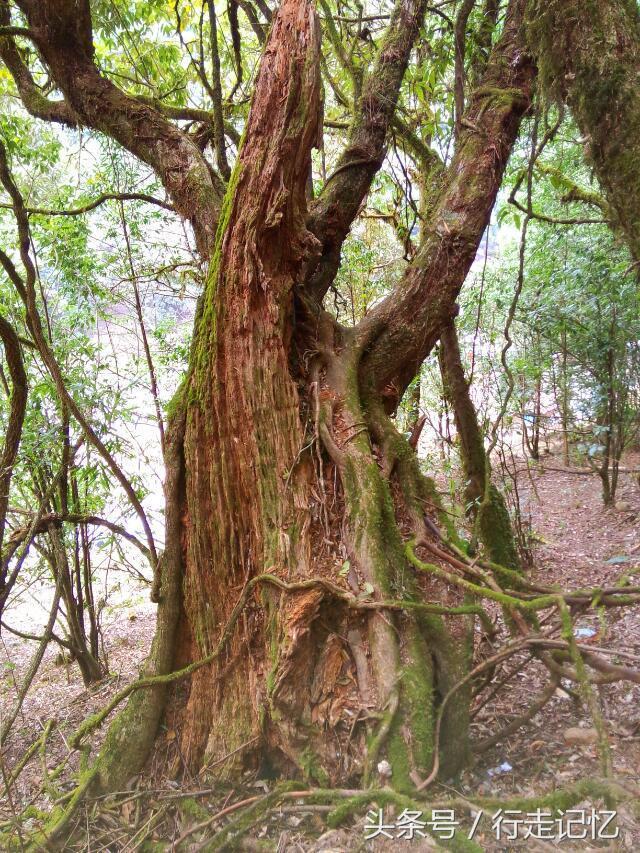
{"x":577,"y":543}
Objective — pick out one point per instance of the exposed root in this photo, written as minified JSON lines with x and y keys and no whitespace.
{"x":522,"y":719}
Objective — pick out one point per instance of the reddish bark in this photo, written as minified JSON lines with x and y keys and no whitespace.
{"x":246,"y":504}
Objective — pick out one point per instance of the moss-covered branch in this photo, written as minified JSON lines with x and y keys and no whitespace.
{"x":588,"y":52}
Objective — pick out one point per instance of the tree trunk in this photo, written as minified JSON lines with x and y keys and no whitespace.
{"x":485,"y":502}
{"x":259,"y":399}
{"x":588,"y":52}
{"x":244,"y":437}
{"x":565,"y":411}
{"x":89,"y":665}
{"x":290,"y":491}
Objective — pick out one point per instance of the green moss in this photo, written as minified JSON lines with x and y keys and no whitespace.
{"x":205,"y":323}
{"x":176,"y":403}
{"x":372,"y":516}
{"x":418,"y":695}
{"x":539,"y":603}
{"x":33,"y":812}
{"x":410,"y":740}
{"x":505,"y":96}
{"x":312,"y":768}
{"x":398,"y":757}
{"x":585,"y":61}
{"x":191,"y":808}
{"x":495,"y":529}
{"x":60,"y":816}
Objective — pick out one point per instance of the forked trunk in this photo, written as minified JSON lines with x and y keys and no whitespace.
{"x":285,"y":472}
{"x":305,"y":681}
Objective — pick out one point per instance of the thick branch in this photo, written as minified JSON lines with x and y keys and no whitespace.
{"x":256,"y":26}
{"x":216,"y":86}
{"x":460,"y":37}
{"x":30,"y":94}
{"x":402,"y":330}
{"x":62,"y":31}
{"x":344,"y":192}
{"x":13,"y":355}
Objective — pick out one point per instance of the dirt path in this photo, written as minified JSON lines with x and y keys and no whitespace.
{"x":578,"y":543}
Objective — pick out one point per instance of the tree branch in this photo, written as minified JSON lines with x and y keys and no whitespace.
{"x":399,"y":334}
{"x":30,"y":94}
{"x":86,"y":208}
{"x":460,"y":34}
{"x":13,"y":355}
{"x":216,"y":87}
{"x":42,"y":523}
{"x":15,"y":31}
{"x":337,"y":206}
{"x":590,"y":54}
{"x":63,"y":34}
{"x":256,"y":26}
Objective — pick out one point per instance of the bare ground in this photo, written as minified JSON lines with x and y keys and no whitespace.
{"x":578,"y":543}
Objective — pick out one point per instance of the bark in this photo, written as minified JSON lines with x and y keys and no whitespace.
{"x":483,"y":37}
{"x":243,"y":430}
{"x":589,"y":54}
{"x":486,"y":503}
{"x":288,"y":674}
{"x":281,"y":457}
{"x":63,"y":35}
{"x":34,"y":101}
{"x":13,"y":434}
{"x":402,"y":331}
{"x":460,"y":39}
{"x":280,"y":464}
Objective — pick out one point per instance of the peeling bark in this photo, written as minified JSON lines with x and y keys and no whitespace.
{"x":243,"y":430}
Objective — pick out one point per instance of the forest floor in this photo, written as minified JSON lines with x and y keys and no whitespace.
{"x":577,"y":543}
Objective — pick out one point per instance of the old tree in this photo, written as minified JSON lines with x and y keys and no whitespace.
{"x":316,"y":608}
